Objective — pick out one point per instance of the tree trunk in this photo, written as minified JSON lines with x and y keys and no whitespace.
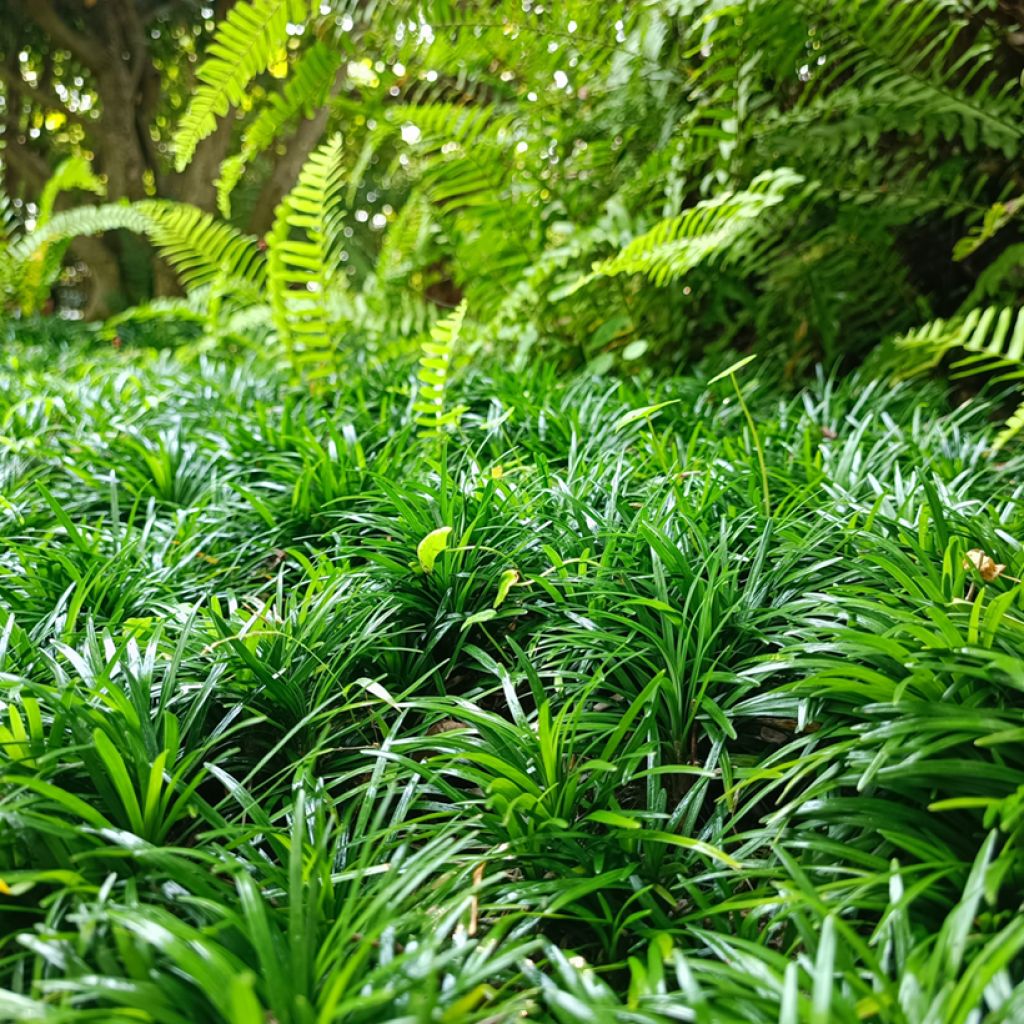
{"x":105,"y":273}
{"x":286,"y":170}
{"x":196,"y":184}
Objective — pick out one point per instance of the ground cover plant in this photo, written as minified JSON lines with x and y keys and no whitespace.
{"x":603,"y":702}
{"x":511,"y":510}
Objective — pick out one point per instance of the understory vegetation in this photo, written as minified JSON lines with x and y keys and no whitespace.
{"x":512,"y":510}
{"x":576,"y":712}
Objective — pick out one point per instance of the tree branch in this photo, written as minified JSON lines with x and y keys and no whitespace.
{"x":85,"y":47}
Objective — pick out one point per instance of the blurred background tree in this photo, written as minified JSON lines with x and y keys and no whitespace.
{"x":108,"y":79}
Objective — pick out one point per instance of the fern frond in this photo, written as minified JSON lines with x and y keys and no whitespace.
{"x":72,"y":173}
{"x":725,"y":227}
{"x":85,"y":220}
{"x":1013,"y":426}
{"x":929,"y":44}
{"x":463,"y":166}
{"x":993,"y":340}
{"x":993,"y":332}
{"x":301,"y":254}
{"x":306,"y":91}
{"x":434,"y":369}
{"x":996,"y":218}
{"x":246,"y":43}
{"x":1002,"y":278}
{"x":200,"y":248}
{"x":27,"y":260}
{"x":10,"y":222}
{"x":405,"y":239}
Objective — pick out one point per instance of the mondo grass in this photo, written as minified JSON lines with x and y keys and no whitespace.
{"x":574,"y":711}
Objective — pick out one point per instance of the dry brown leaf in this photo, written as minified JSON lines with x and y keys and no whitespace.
{"x":988,"y":568}
{"x":445,"y":725}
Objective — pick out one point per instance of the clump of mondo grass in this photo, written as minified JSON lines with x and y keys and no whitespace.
{"x":308,"y":717}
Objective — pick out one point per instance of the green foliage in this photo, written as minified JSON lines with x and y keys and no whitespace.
{"x":772,"y":173}
{"x":248,"y":40}
{"x":436,"y":354}
{"x":73,"y":173}
{"x":993,"y":339}
{"x":624,"y":185}
{"x":378,"y":692}
{"x":200,"y":248}
{"x":303,"y":94}
{"x":302,"y":255}
{"x":305,"y":717}
{"x":29,"y":264}
{"x":728,"y":226}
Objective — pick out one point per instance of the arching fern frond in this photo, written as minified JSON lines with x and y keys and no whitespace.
{"x":1012,"y":428}
{"x":302,"y":254}
{"x":991,"y":333}
{"x":725,"y":227}
{"x":28,"y":266}
{"x":462,"y":165}
{"x":200,"y":248}
{"x":247,"y":42}
{"x":307,"y":89}
{"x":993,"y":340}
{"x":85,"y":220}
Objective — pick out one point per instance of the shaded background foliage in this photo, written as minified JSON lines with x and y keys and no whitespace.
{"x":502,"y":151}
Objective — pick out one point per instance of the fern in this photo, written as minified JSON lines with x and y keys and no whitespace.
{"x":944,"y":70}
{"x":306,"y":90}
{"x":996,"y":218}
{"x":30,"y":264}
{"x":463,"y":159}
{"x":42,"y":269}
{"x":1002,"y":279}
{"x":200,"y":248}
{"x":993,"y":340}
{"x":434,"y":370}
{"x":725,"y":227}
{"x":10,"y":222}
{"x":73,"y":173}
{"x":246,"y":43}
{"x":407,"y":237}
{"x":302,"y":257}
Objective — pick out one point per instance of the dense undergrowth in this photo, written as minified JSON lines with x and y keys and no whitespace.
{"x":572,"y":714}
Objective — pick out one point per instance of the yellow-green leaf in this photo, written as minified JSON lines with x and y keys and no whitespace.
{"x":509,"y":578}
{"x":431,"y":546}
{"x":732,"y":369}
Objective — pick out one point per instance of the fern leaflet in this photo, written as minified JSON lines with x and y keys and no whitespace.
{"x":434,"y":369}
